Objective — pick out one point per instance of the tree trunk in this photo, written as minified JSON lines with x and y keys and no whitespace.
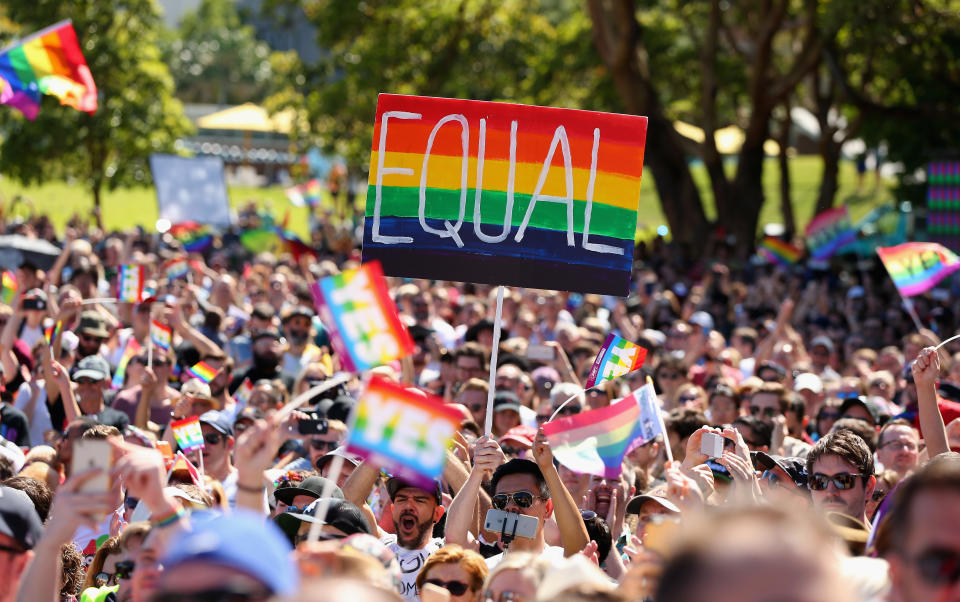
{"x":747,"y":189}
{"x":786,"y":202}
{"x":830,"y":180}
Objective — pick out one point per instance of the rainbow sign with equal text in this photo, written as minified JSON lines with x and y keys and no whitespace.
{"x":503,"y":193}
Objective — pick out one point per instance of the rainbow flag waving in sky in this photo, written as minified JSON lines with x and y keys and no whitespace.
{"x":829,"y":232}
{"x":917,"y":267}
{"x":203,"y":371}
{"x":617,"y":357}
{"x":307,"y":193}
{"x":779,"y":252}
{"x":595,"y":442}
{"x":194,"y":237}
{"x":47,"y":62}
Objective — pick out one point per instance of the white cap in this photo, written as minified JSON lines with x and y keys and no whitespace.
{"x":808,"y":381}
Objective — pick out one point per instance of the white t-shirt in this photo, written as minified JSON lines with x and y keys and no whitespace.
{"x":40,"y":419}
{"x":549,"y":552}
{"x":411,"y":562}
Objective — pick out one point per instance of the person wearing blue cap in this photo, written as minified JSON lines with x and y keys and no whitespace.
{"x":218,"y":441}
{"x":235,"y":556}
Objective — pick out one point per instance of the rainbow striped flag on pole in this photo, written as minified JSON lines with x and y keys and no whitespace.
{"x":52,"y":332}
{"x":132,"y":348}
{"x":161,"y":335}
{"x":47,"y":62}
{"x":596,"y":442}
{"x":829,"y":232}
{"x":779,"y":252}
{"x":130,"y":283}
{"x":617,"y":357}
{"x":917,"y":267}
{"x":203,"y":371}
{"x":176,"y":268}
{"x":188,"y":434}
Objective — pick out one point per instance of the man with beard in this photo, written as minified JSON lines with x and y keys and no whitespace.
{"x":267,"y":351}
{"x":92,"y":333}
{"x":218,"y":386}
{"x":840,"y":469}
{"x":297,"y":328}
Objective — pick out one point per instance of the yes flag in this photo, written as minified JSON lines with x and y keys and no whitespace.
{"x":617,"y":357}
{"x":404,"y":432}
{"x":188,"y":433}
{"x":829,"y":232}
{"x":596,"y":442}
{"x":917,"y":267}
{"x":161,"y":335}
{"x":130,"y":285}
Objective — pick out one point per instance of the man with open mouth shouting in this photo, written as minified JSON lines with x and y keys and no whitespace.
{"x":415,"y":512}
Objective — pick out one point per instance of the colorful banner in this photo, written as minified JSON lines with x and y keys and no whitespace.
{"x":8,"y":287}
{"x":403,"y":432}
{"x":161,"y":335}
{"x":193,"y":237}
{"x":47,"y":62}
{"x":916,"y":267}
{"x":361,"y":319}
{"x":176,"y":268}
{"x":778,"y":252}
{"x":51,"y":333}
{"x":617,"y":357}
{"x":829,"y":232}
{"x":132,"y":349}
{"x":188,"y":434}
{"x":596,"y":442}
{"x":307,"y":193}
{"x":203,"y":371}
{"x":130,"y":283}
{"x":504,"y":193}
{"x":243,"y":392}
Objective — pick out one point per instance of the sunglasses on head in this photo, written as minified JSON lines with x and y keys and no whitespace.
{"x":938,"y":566}
{"x":842,"y":481}
{"x":765,"y":412}
{"x":319,"y":445}
{"x":523,"y":499}
{"x":456,"y":588}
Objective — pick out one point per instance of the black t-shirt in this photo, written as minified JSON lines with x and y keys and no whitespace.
{"x":58,"y":416}
{"x":14,"y":425}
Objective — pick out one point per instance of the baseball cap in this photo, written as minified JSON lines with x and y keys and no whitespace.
{"x":263,"y":311}
{"x":18,"y":517}
{"x":341,"y":451}
{"x":312,"y":486}
{"x":809,"y":381}
{"x":522,"y":434}
{"x":241,"y":540}
{"x":340,"y":514}
{"x":93,"y":367}
{"x":793,"y":466}
{"x":822,"y":340}
{"x":702,"y":319}
{"x":297,"y":310}
{"x":395,"y":484}
{"x":637,"y":502}
{"x":10,"y":451}
{"x":506,"y":400}
{"x":93,"y":324}
{"x":218,"y":420}
{"x":865,"y":403}
{"x":271,"y":333}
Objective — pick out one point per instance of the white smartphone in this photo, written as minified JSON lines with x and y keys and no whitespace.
{"x":511,"y":524}
{"x":541,"y":353}
{"x":89,"y":454}
{"x":712,"y":445}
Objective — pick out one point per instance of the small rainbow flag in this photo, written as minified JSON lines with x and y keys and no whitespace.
{"x":243,"y":392}
{"x":47,"y":62}
{"x":188,"y":433}
{"x":596,"y":442}
{"x":52,"y":332}
{"x":161,"y":335}
{"x":132,"y":349}
{"x":361,"y":318}
{"x":203,"y":371}
{"x":176,"y":268}
{"x":130,"y":283}
{"x":829,"y":232}
{"x":194,"y":237}
{"x":916,"y":267}
{"x":404,"y":433}
{"x":307,"y":193}
{"x":617,"y":357}
{"x":8,"y":282}
{"x":181,"y":462}
{"x":779,"y":252}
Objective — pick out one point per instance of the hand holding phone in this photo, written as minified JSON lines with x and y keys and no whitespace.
{"x":712,"y":445}
{"x":89,"y":454}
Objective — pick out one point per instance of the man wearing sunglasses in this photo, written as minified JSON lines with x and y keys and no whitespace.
{"x":840,"y":474}
{"x":925,"y":533}
{"x":218,"y":446}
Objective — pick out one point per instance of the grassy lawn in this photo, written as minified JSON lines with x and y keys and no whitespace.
{"x":138,"y":206}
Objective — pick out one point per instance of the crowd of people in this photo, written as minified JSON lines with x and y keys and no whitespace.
{"x":836,"y":480}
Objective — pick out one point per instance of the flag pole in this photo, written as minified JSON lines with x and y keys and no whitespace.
{"x":488,"y":421}
{"x":663,"y":429}
{"x":907,"y":305}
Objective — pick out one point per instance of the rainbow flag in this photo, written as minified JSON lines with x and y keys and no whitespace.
{"x":916,"y":267}
{"x":8,"y":282}
{"x":161,"y":335}
{"x":193,"y":237}
{"x":132,"y":349}
{"x":176,"y":268}
{"x":617,"y":357}
{"x":779,"y":252}
{"x":130,"y":283}
{"x":47,"y":62}
{"x":596,"y":442}
{"x":188,"y":434}
{"x":829,"y":232}
{"x":307,"y":193}
{"x":203,"y":371}
{"x":361,"y":319}
{"x":404,"y":433}
{"x":243,"y":392}
{"x":504,"y":193}
{"x":274,"y":239}
{"x":181,"y":462}
{"x":52,"y":332}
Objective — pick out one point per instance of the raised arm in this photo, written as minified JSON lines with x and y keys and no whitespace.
{"x":926,"y":370}
{"x":573,"y":533}
{"x":461,"y":514}
{"x":360,"y":483}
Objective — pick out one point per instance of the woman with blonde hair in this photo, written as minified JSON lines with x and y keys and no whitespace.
{"x":457,"y":570}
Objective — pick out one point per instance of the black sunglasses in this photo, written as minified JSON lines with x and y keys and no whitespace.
{"x":456,"y":588}
{"x":124,"y":569}
{"x":523,"y":499}
{"x":319,"y":445}
{"x":939,"y":566}
{"x":843,"y":480}
{"x":569,"y":410}
{"x":213,"y":438}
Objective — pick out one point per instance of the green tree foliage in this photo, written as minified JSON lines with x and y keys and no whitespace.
{"x":137,"y":113}
{"x":214,"y":58}
{"x":533,"y":52}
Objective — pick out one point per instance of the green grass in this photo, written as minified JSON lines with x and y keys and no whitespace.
{"x":138,"y":206}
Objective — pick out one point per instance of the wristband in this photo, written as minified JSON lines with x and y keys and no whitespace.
{"x":170,"y":518}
